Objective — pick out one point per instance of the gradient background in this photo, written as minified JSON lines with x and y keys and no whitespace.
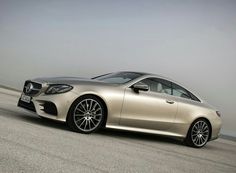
{"x":193,"y":42}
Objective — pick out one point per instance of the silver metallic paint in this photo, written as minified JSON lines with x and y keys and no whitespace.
{"x":129,"y":110}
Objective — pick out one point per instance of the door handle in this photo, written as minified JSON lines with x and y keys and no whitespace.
{"x":170,"y":101}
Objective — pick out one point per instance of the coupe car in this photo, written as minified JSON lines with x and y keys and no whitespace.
{"x":134,"y":101}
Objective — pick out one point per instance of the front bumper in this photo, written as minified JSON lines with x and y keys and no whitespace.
{"x":54,"y":106}
{"x":29,"y":106}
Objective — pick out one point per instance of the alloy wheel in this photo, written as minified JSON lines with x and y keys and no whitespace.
{"x":200,"y":133}
{"x":88,"y":115}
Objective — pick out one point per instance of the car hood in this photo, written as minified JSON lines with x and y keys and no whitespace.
{"x":68,"y":80}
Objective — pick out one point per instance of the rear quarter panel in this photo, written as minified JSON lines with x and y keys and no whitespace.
{"x":189,"y":110}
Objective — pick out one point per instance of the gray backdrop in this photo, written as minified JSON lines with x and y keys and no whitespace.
{"x":193,"y":42}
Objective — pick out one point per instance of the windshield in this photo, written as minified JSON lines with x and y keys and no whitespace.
{"x":118,"y":78}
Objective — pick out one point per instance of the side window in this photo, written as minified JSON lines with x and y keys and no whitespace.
{"x":158,"y":85}
{"x":194,"y":97}
{"x":164,"y":86}
{"x":180,"y":91}
{"x":152,"y":84}
{"x":167,"y":87}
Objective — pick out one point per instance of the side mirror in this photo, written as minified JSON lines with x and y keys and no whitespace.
{"x":140,"y":87}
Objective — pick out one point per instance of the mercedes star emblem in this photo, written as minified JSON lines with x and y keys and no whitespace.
{"x":28,"y":87}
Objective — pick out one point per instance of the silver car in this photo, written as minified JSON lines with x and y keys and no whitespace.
{"x":132,"y":101}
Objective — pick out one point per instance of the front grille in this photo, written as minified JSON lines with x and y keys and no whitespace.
{"x":30,"y":106}
{"x":31,"y":88}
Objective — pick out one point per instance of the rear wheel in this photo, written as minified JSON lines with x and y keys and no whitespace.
{"x":198,"y":134}
{"x":86,"y":114}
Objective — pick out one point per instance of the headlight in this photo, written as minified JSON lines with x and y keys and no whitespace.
{"x":58,"y":89}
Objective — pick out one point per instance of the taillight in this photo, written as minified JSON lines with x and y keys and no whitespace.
{"x":218,"y":113}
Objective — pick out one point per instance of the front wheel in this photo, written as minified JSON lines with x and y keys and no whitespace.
{"x":198,"y":134}
{"x":86,"y":115}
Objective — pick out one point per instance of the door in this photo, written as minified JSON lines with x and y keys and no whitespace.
{"x":154,"y":109}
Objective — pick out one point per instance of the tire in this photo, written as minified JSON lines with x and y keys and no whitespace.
{"x":198,"y":134}
{"x":86,"y":114}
